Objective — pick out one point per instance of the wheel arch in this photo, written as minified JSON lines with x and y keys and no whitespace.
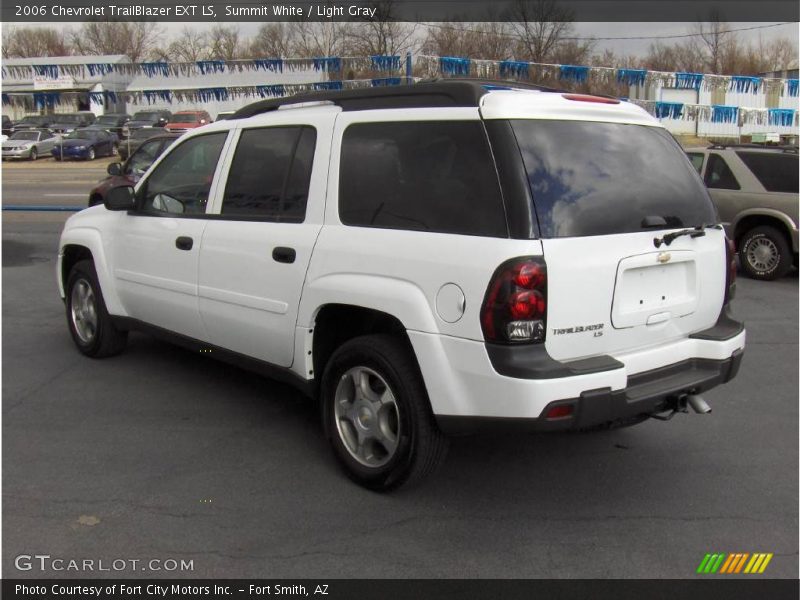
{"x":763,"y":217}
{"x":84,"y":243}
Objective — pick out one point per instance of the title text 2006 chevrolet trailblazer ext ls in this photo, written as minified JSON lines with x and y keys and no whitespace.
{"x":425,"y":260}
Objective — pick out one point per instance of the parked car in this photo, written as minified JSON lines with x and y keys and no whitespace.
{"x":225,"y":114}
{"x":755,"y":191}
{"x":423,"y":261}
{"x":185,"y":120}
{"x":112,"y":123}
{"x":68,"y":122}
{"x":34,"y":122}
{"x":8,"y":127}
{"x":147,"y":118}
{"x":29,"y":144}
{"x":86,"y":144}
{"x":129,"y":172}
{"x":136,"y":138}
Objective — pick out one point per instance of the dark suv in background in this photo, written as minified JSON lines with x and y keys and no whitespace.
{"x":147,"y":118}
{"x":755,"y":191}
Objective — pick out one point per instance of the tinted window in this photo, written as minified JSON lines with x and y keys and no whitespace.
{"x":182,"y":181}
{"x":270,"y":174}
{"x":776,"y":172}
{"x":144,"y":156}
{"x":427,"y":176}
{"x":697,"y":161}
{"x":719,"y":175}
{"x":591,"y":178}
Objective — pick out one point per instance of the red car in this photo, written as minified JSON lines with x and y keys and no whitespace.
{"x":187,"y":119}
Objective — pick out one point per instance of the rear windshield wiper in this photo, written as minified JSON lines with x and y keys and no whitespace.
{"x":694,"y":232}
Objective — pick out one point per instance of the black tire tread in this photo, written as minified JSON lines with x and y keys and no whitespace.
{"x":109,"y":341}
{"x":780,"y":241}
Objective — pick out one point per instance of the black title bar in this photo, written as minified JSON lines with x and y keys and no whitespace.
{"x":402,"y":10}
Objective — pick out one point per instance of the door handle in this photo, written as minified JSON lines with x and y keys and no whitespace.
{"x":282,"y":254}
{"x":184,"y":243}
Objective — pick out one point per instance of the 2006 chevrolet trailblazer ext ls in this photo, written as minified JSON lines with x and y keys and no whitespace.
{"x":425,"y":260}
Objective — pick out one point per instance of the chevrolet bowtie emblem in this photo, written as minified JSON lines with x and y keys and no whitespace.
{"x":663,"y":257}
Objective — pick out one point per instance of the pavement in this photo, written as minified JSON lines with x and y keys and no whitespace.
{"x":161,"y":453}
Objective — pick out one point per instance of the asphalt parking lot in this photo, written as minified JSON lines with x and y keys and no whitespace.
{"x":165,"y":454}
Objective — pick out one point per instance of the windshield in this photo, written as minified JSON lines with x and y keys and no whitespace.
{"x":25,"y":135}
{"x":146,"y":116}
{"x":34,"y":120}
{"x":590,"y":178}
{"x":82,"y":134}
{"x":68,"y":118}
{"x":185,"y":118}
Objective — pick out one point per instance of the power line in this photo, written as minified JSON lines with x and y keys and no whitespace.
{"x":597,"y":39}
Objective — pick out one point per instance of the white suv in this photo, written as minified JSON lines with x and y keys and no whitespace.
{"x":425,"y":260}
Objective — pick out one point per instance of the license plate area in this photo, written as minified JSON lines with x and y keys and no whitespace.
{"x":654,"y":288}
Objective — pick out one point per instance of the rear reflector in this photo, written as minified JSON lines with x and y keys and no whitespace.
{"x":588,"y":98}
{"x":560,"y":411}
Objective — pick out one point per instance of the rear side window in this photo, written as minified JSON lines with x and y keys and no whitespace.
{"x":590,"y":178}
{"x":424,"y":176}
{"x":270,"y":174}
{"x":776,"y":172}
{"x":697,"y":161}
{"x":719,"y":175}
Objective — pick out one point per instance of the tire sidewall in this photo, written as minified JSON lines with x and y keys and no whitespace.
{"x":84,"y":270}
{"x":748,"y":241}
{"x":354,"y":355}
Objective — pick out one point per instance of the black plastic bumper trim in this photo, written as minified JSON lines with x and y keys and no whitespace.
{"x":724,"y":329}
{"x":648,"y":393}
{"x":531,"y":361}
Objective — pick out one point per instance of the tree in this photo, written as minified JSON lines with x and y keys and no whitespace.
{"x":716,"y":39}
{"x":327,"y":38}
{"x":383,"y":34}
{"x":273,"y":40}
{"x":490,"y":40}
{"x":540,"y":26}
{"x":226,"y":42}
{"x":34,"y":41}
{"x":137,"y":40}
{"x":190,"y":46}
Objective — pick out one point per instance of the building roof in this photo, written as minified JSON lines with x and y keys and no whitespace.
{"x":66,"y":60}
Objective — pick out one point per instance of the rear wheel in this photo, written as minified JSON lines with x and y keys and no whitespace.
{"x":377,"y":416}
{"x":764,"y":253}
{"x":89,"y":323}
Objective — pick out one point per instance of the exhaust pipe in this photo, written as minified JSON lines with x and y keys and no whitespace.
{"x":698,"y":405}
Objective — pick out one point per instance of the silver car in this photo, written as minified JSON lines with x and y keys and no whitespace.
{"x":29,"y":144}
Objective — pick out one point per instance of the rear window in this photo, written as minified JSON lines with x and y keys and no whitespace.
{"x":591,"y":178}
{"x":776,"y":172}
{"x":435,"y":176}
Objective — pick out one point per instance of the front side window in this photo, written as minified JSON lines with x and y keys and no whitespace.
{"x":144,"y":156}
{"x":182,"y":181}
{"x":719,"y":175}
{"x":270,"y":174}
{"x":777,"y":172}
{"x":436,"y":176}
{"x":592,"y":178}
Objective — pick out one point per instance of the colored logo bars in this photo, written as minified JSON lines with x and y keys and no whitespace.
{"x":740,"y":562}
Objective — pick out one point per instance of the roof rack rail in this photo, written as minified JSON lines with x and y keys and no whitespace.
{"x":425,"y":93}
{"x":723,"y":145}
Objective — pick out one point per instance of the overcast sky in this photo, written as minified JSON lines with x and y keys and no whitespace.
{"x":615,"y":30}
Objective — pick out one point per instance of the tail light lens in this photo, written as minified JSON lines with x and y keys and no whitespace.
{"x":515,"y":306}
{"x":730,"y":277}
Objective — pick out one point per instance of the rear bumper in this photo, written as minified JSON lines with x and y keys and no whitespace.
{"x":647,"y":393}
{"x":470,"y":389}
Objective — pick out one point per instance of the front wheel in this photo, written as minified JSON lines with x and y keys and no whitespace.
{"x":377,"y":416}
{"x":764,"y":253}
{"x":91,"y":154}
{"x":34,"y":154}
{"x":89,"y":323}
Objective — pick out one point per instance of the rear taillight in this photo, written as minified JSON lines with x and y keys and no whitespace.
{"x":730,"y":277}
{"x":515,"y":307}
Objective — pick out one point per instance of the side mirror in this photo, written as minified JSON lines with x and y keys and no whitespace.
{"x":114,"y":168}
{"x":120,"y":198}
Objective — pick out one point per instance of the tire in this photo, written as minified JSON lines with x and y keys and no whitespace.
{"x":764,"y":253}
{"x":114,"y":150}
{"x":91,"y":155}
{"x":34,"y":154}
{"x":396,"y":444}
{"x":88,"y":320}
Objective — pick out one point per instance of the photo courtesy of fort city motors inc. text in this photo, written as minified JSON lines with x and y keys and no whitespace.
{"x":400,"y":299}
